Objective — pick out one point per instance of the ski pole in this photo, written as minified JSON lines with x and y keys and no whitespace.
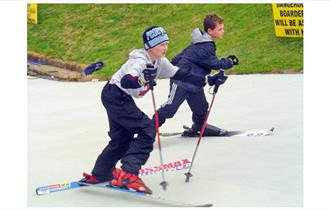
{"x":163,"y":183}
{"x":215,"y":90}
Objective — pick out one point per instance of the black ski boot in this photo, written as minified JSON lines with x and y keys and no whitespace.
{"x":189,"y":132}
{"x":210,"y":130}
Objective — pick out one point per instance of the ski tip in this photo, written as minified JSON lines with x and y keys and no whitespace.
{"x":37,"y":192}
{"x":205,"y":205}
{"x":42,"y":191}
{"x":272,"y":129}
{"x":170,"y":134}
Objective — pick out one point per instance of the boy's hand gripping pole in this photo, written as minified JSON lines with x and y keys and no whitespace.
{"x":163,"y":183}
{"x":215,"y":90}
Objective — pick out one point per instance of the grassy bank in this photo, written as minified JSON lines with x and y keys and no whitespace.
{"x":85,"y":33}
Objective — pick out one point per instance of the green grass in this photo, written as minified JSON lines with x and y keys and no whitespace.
{"x":85,"y":33}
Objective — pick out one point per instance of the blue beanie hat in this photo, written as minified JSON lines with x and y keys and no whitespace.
{"x":154,"y":36}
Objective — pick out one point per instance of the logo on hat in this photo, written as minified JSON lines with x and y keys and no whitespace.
{"x":154,"y":36}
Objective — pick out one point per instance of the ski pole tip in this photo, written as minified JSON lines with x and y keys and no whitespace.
{"x":188,"y":175}
{"x":164,"y":185}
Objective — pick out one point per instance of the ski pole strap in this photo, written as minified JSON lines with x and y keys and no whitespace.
{"x":216,"y":87}
{"x":151,"y":84}
{"x":222,"y":79}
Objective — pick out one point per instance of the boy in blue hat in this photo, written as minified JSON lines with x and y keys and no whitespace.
{"x":133,"y":79}
{"x":199,"y":59}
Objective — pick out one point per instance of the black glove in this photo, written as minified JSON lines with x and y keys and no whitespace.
{"x":148,"y":74}
{"x":92,"y":67}
{"x":217,"y":79}
{"x":234,"y":59}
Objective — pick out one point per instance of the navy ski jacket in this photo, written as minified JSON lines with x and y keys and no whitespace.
{"x":199,"y":58}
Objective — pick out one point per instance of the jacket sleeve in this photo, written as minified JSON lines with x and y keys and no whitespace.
{"x":178,"y":57}
{"x":209,"y":60}
{"x":129,"y":82}
{"x":132,"y":69}
{"x":186,"y":76}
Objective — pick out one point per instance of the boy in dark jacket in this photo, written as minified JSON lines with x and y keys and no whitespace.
{"x":199,"y":58}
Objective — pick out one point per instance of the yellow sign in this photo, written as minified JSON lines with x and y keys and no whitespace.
{"x":32,"y":13}
{"x":289,"y":20}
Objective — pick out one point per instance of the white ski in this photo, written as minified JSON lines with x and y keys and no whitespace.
{"x":167,"y":167}
{"x":249,"y":133}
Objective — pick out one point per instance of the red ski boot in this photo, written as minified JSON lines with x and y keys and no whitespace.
{"x":130,"y":181}
{"x":90,"y":179}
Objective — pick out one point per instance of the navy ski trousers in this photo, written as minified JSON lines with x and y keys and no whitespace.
{"x":125,"y":120}
{"x":196,"y":101}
